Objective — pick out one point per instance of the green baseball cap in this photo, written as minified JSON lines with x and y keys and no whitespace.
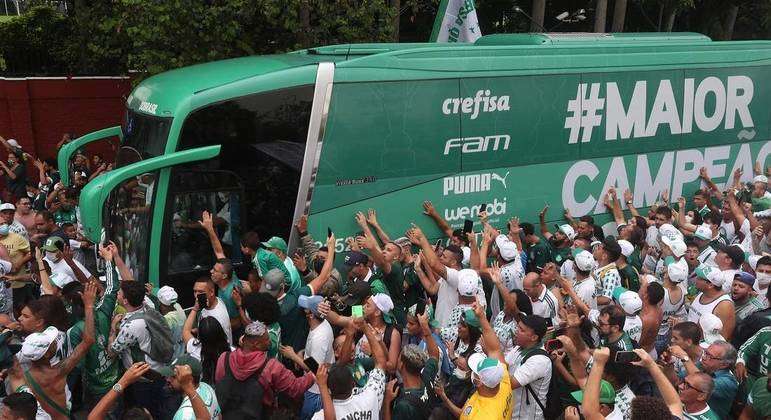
{"x":185,"y":359}
{"x":607,"y":394}
{"x":53,"y":244}
{"x":276,"y":243}
{"x":470,"y":318}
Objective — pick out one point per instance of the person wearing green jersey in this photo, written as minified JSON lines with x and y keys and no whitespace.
{"x":754,"y":357}
{"x":101,"y":372}
{"x":695,"y":390}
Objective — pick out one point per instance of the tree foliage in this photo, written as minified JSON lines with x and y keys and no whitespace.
{"x":150,"y":36}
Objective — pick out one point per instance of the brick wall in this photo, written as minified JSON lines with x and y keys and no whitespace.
{"x":37,"y":111}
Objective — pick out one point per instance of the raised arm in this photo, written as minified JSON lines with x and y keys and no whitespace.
{"x":472,"y":243}
{"x":123,"y":270}
{"x":491,"y":343}
{"x":425,"y":329}
{"x":618,"y":212}
{"x":79,"y":275}
{"x":371,"y":243}
{"x":514,"y":231}
{"x":207,"y":223}
{"x":430,"y":211}
{"x":509,"y":299}
{"x":665,"y":388}
{"x":426,"y":277}
{"x":418,"y":238}
{"x":132,"y":374}
{"x":735,"y":208}
{"x":317,"y":283}
{"x":542,"y":223}
{"x":326,"y":396}
{"x":187,"y":329}
{"x":68,"y":364}
{"x":45,"y":281}
{"x":372,"y":220}
{"x":376,"y":345}
{"x":629,"y":201}
{"x":590,"y":406}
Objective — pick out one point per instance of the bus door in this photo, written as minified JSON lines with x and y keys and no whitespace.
{"x":187,"y":252}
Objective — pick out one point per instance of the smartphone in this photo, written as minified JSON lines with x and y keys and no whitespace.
{"x":329,"y":232}
{"x":201,"y":300}
{"x":312,"y":364}
{"x":357,"y":311}
{"x":421,"y":306}
{"x":468,"y":225}
{"x":626,"y":357}
{"x":552,"y":345}
{"x":482,"y":207}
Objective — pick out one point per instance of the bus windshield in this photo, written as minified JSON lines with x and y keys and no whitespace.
{"x":144,"y":137}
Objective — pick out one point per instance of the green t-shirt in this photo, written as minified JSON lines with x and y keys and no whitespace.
{"x":537,"y":256}
{"x":100,"y":370}
{"x":558,"y":255}
{"x":274,"y":332}
{"x":634,"y":259}
{"x":377,"y":286}
{"x":415,"y":290}
{"x":760,"y":399}
{"x":624,"y":343}
{"x":226,"y":294}
{"x":295,"y":280}
{"x":294,"y":325}
{"x":630,"y":278}
{"x":404,"y":406}
{"x":394,"y":282}
{"x":265,"y":261}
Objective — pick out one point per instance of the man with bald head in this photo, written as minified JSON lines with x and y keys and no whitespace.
{"x":695,"y":390}
{"x":544,"y":302}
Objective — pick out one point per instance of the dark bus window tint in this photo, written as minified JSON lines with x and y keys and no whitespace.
{"x":143,"y":137}
{"x":263,"y":142}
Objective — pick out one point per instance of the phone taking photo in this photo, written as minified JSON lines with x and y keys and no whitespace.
{"x":201,"y":298}
{"x":483,"y":207}
{"x":626,"y":357}
{"x":468,"y":225}
{"x":329,"y":232}
{"x":312,"y":364}
{"x":357,"y":311}
{"x":552,"y":345}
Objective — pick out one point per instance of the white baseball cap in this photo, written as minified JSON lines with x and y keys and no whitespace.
{"x":752,"y":260}
{"x":584,"y":260}
{"x":468,"y":282}
{"x":567,"y":230}
{"x":669,"y":231}
{"x":629,"y":301}
{"x":7,"y":206}
{"x":14,"y":143}
{"x":677,"y":245}
{"x":37,"y":344}
{"x":710,"y":274}
{"x":489,"y":370}
{"x":760,"y":178}
{"x":626,"y":247}
{"x":703,"y":232}
{"x":167,"y":295}
{"x":383,"y":302}
{"x":506,"y":247}
{"x":711,"y":326}
{"x":677,"y":269}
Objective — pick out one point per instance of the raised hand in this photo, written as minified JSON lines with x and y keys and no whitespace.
{"x":136,"y":371}
{"x":361,"y":220}
{"x":543,"y":211}
{"x":206,"y":221}
{"x":372,"y":217}
{"x":428,"y":208}
{"x":302,"y":224}
{"x":391,"y":391}
{"x":628,"y":196}
{"x":299,"y":262}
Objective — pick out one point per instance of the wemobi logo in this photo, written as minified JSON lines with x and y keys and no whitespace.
{"x":481,"y":102}
{"x":462,"y":184}
{"x":708,"y":105}
{"x":496,"y":208}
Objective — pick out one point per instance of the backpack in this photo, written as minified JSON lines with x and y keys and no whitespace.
{"x":161,"y":342}
{"x":552,"y":407}
{"x":240,"y":400}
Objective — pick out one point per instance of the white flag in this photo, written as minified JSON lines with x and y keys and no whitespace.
{"x":456,"y":21}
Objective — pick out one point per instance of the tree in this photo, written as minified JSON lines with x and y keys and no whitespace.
{"x":600,"y":15}
{"x":619,"y":16}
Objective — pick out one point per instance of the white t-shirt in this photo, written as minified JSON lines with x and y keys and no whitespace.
{"x":133,"y":332}
{"x":62,"y":267}
{"x":447,"y":297}
{"x":728,"y":279}
{"x":220,"y":313}
{"x":536,"y":372}
{"x":193,"y":348}
{"x":364,"y":403}
{"x":209,"y":398}
{"x":546,"y":306}
{"x":586,"y":290}
{"x":633,"y":327}
{"x":319,"y":346}
{"x":729,"y":231}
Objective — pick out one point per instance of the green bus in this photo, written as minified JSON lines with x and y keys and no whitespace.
{"x":510,"y":123}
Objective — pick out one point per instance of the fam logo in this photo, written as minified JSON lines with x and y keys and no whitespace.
{"x":708,"y":105}
{"x":464,"y":184}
